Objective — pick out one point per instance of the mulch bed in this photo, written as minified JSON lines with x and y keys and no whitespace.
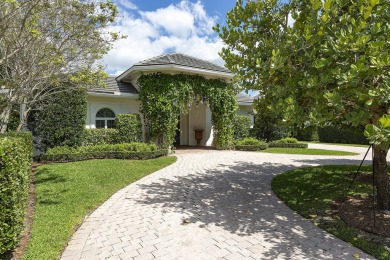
{"x":359,"y":212}
{"x":19,"y":251}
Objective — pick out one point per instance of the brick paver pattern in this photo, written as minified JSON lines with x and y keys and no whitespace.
{"x":209,"y":205}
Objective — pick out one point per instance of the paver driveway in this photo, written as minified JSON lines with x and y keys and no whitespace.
{"x":209,"y":205}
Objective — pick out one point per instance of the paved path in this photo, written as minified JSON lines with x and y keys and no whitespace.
{"x":209,"y":205}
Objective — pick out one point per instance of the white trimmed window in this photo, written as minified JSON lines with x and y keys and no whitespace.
{"x":105,"y":118}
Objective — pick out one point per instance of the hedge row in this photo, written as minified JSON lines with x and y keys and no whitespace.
{"x":128,"y":128}
{"x":288,"y":145}
{"x":343,"y":135}
{"x":72,"y":157}
{"x":15,"y":172}
{"x":251,"y":147}
{"x":135,"y":151}
{"x":100,"y":136}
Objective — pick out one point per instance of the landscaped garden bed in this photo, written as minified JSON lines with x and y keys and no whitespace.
{"x":318,"y":193}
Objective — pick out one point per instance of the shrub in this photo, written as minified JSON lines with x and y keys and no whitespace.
{"x":60,"y":121}
{"x":342,"y":134}
{"x":250,"y":144}
{"x":268,"y":124}
{"x":284,"y":144}
{"x":309,"y":133}
{"x":241,"y":127}
{"x":100,"y":136}
{"x":15,"y":169}
{"x":129,"y":128}
{"x":103,"y":151}
{"x":287,"y":140}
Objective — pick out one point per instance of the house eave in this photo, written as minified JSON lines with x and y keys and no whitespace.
{"x":113,"y":94}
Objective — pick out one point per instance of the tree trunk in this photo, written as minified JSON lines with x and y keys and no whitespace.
{"x":5,"y":116}
{"x":23,"y":118}
{"x":381,"y":178}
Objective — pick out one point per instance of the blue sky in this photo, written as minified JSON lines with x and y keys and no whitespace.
{"x":154,"y":27}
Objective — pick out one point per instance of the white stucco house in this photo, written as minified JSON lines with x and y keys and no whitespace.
{"x":120,"y":96}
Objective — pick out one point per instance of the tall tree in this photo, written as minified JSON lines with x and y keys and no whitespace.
{"x":45,"y":44}
{"x":317,"y":61}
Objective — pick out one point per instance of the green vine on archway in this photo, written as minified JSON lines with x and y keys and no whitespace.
{"x":164,"y":97}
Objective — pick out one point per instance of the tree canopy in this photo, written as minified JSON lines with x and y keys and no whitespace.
{"x":46,"y":44}
{"x":316,"y":61}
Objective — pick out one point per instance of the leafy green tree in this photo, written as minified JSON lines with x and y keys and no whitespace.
{"x":46,"y":44}
{"x":60,"y":119}
{"x":241,"y":127}
{"x":269,"y":125}
{"x":317,"y":61}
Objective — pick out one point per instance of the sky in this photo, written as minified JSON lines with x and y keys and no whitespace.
{"x":155,"y":27}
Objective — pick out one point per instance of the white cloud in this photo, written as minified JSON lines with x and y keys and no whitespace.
{"x":127,"y":4}
{"x":185,"y":27}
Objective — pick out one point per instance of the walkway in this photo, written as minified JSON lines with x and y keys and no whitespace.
{"x":209,"y":205}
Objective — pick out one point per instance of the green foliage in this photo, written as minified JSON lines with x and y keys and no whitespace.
{"x":100,"y":136}
{"x":249,"y":144}
{"x":309,"y":133}
{"x":331,"y":64}
{"x":242,"y":125}
{"x":379,"y":135}
{"x":15,"y":169}
{"x":286,"y":144}
{"x":288,"y":140}
{"x":164,"y":97}
{"x":268,"y":124}
{"x":248,"y":141}
{"x":342,"y":134}
{"x":129,"y":128}
{"x":135,"y":151}
{"x":60,"y":121}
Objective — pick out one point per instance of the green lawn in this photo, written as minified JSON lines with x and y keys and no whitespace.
{"x":310,"y":192}
{"x":353,"y":145}
{"x":306,"y":151}
{"x":67,"y":192}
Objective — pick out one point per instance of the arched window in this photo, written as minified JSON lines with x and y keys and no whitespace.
{"x":105,"y":118}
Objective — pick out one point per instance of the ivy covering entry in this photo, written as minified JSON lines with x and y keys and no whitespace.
{"x":164,"y":97}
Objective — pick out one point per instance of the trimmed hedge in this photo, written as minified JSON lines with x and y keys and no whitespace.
{"x":342,"y":134}
{"x":15,"y":171}
{"x":288,"y":145}
{"x":251,"y":147}
{"x":134,"y":151}
{"x":60,"y":120}
{"x":129,"y":128}
{"x":250,"y":144}
{"x":100,"y":136}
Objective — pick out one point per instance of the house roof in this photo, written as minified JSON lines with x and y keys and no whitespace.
{"x":183,"y":60}
{"x":113,"y":86}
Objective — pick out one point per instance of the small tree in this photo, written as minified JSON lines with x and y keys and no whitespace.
{"x":329,"y":63}
{"x":60,"y":120}
{"x":46,"y":43}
